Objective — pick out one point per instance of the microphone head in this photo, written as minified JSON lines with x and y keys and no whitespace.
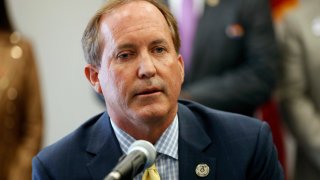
{"x":147,"y":148}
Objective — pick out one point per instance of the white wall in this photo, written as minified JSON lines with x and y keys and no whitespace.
{"x":55,"y":28}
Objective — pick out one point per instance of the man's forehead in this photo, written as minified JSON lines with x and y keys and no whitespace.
{"x":133,"y":16}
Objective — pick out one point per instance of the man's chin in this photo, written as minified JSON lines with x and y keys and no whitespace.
{"x":152,"y":111}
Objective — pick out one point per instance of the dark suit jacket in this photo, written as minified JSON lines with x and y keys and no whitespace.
{"x":233,"y":146}
{"x":234,"y":56}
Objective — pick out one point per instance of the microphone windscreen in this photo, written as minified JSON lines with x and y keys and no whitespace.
{"x":147,"y":148}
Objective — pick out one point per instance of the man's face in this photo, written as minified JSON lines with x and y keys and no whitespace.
{"x":141,"y":73}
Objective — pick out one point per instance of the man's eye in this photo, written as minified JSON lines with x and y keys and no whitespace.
{"x":159,"y":50}
{"x":124,"y":55}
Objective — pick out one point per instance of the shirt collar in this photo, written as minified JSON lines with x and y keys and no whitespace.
{"x":167,"y":143}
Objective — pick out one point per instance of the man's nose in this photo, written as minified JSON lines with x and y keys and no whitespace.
{"x":147,"y":66}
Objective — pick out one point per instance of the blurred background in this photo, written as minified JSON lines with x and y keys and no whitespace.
{"x":55,"y":28}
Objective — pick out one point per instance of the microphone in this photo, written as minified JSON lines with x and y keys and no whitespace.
{"x":141,"y":155}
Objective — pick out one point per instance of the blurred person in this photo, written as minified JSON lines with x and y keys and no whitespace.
{"x":299,"y":85}
{"x":131,"y":47}
{"x":20,"y":103}
{"x":232,"y":55}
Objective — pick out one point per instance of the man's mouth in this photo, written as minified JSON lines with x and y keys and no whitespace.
{"x":148,"y":91}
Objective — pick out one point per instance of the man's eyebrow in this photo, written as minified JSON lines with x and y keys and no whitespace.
{"x":126,"y":46}
{"x":159,"y":41}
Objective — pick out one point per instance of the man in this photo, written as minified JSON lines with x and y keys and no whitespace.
{"x":132,"y":51}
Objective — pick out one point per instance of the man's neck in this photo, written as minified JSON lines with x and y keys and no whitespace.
{"x":150,"y":131}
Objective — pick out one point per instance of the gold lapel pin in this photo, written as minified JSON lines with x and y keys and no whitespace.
{"x":202,"y":170}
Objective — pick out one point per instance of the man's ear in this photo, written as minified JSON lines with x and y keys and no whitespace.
{"x":92,"y":73}
{"x":181,"y":63}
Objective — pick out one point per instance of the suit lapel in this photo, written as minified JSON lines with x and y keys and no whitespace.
{"x":103,"y":148}
{"x":193,"y":143}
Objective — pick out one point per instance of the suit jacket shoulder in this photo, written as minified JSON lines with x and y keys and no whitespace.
{"x":89,"y":152}
{"x":233,"y":146}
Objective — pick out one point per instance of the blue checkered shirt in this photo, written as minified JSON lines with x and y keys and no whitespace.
{"x":167,"y":150}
